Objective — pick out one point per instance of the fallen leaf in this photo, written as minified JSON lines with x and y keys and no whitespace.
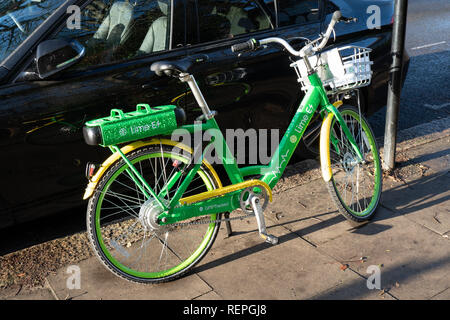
{"x":21,"y":275}
{"x":343,"y":267}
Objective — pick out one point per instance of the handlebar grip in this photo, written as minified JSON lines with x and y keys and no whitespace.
{"x":337,"y":15}
{"x":249,"y":45}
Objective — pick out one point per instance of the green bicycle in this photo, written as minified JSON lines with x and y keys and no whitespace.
{"x":155,"y":205}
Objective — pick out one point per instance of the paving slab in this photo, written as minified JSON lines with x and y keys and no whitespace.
{"x":209,"y":296}
{"x":445,"y":295}
{"x":99,"y":283}
{"x":308,"y":211}
{"x":424,"y":201}
{"x":353,"y":290}
{"x":414,"y":261}
{"x":16,"y":293}
{"x":434,"y":155}
{"x":244,"y":267}
{"x":424,"y":190}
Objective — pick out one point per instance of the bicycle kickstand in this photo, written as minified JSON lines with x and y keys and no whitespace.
{"x":228,"y":224}
{"x":261,"y":222}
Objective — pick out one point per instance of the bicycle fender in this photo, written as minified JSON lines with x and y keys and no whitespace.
{"x":325,"y":161}
{"x":93,"y":182}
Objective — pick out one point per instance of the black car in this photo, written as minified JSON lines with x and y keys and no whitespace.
{"x":43,"y":106}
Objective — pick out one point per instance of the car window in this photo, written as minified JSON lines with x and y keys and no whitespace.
{"x":113,"y":30}
{"x":224,"y":19}
{"x":297,"y":11}
{"x":270,"y":4}
{"x":19,"y":18}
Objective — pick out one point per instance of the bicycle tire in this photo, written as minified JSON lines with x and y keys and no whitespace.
{"x":340,"y":159}
{"x":114,"y":251}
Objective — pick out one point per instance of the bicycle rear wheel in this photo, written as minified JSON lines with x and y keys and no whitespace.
{"x":355,"y":187}
{"x":118,"y":219}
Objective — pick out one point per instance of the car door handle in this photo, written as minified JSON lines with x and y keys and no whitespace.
{"x":156,"y":85}
{"x":153,"y":87}
{"x":199,"y":58}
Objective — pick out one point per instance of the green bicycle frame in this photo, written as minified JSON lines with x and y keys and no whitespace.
{"x":270,"y":174}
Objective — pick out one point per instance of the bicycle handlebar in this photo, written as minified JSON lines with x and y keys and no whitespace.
{"x":307,"y":50}
{"x":337,"y":15}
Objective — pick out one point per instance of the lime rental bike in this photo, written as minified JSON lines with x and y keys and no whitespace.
{"x":155,"y":205}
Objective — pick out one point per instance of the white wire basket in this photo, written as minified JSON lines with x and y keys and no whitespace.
{"x":340,"y":69}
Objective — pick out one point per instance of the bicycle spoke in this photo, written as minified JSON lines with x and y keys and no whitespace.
{"x":353,"y":179}
{"x":133,"y":244}
{"x":127,"y":209}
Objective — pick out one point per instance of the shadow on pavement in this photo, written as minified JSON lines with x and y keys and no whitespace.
{"x":423,"y":158}
{"x":416,"y":195}
{"x":399,"y":274}
{"x":423,"y":189}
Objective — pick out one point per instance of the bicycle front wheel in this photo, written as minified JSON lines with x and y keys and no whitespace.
{"x":354,"y":186}
{"x":118,"y":214}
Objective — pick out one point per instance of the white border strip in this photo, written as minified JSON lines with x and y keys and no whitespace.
{"x":429,"y":45}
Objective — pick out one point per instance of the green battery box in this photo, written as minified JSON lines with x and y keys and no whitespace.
{"x":143,"y":123}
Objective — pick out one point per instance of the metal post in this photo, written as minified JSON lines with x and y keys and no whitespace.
{"x":395,"y":83}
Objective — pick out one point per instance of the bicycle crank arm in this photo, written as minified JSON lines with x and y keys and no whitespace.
{"x":261,"y":222}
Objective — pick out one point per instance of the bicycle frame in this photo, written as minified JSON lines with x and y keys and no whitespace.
{"x":269,"y":174}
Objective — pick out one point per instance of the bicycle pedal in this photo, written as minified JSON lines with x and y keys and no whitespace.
{"x":269,"y":238}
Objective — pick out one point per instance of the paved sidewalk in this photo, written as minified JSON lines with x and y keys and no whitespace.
{"x":320,"y":255}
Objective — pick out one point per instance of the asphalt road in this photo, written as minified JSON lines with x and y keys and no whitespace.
{"x":425,"y":97}
{"x":426,"y":92}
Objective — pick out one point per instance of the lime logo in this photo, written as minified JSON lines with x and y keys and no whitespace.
{"x":293,"y":139}
{"x":123,"y":132}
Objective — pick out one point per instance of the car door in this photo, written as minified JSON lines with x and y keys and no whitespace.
{"x":42,"y":138}
{"x":254,"y":89}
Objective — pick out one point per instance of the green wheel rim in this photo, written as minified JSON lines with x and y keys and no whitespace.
{"x":160,"y":274}
{"x":377,"y":168}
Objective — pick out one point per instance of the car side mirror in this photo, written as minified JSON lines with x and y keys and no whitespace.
{"x":53,"y":56}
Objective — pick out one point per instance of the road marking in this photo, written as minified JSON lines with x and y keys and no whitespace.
{"x":428,"y":45}
{"x":436,"y":106}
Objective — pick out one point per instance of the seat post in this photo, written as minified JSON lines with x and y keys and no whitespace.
{"x":185,"y":77}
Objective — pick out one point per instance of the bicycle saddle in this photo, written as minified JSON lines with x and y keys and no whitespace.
{"x":175,"y":67}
